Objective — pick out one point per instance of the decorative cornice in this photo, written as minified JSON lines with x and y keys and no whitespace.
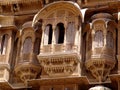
{"x":7,"y":2}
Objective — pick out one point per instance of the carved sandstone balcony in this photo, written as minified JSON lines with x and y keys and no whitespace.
{"x":60,"y":65}
{"x":59,"y":60}
{"x":100,"y":62}
{"x":27,"y":67}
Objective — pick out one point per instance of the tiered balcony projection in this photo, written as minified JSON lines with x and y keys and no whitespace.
{"x":6,"y":37}
{"x":27,"y":66}
{"x":60,"y":44}
{"x":100,"y":55}
{"x":57,"y":54}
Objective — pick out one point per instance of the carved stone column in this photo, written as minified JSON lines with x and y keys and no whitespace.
{"x":53,"y":38}
{"x":77,"y":38}
{"x":42,"y":40}
{"x":65,"y":39}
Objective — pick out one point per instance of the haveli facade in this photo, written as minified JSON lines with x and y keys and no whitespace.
{"x":59,"y":45}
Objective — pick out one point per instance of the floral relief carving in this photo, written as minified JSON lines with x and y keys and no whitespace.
{"x":56,"y":65}
{"x":99,"y":26}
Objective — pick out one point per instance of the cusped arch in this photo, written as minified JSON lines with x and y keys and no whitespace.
{"x":27,"y":31}
{"x":56,"y":6}
{"x":112,"y":23}
{"x":98,"y":24}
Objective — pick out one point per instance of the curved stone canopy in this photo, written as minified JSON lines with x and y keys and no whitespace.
{"x":60,"y":5}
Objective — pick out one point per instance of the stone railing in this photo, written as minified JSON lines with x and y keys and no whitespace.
{"x":100,"y":53}
{"x":58,"y":48}
{"x":30,"y":57}
{"x":46,"y":49}
{"x":68,"y":47}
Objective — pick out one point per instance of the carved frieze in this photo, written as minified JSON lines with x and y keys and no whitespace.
{"x":60,"y":65}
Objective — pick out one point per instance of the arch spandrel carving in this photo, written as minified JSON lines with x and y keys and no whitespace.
{"x":61,"y":5}
{"x":98,"y":25}
{"x":26,"y":32}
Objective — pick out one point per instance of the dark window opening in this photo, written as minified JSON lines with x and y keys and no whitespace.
{"x":51,"y":88}
{"x":44,"y":2}
{"x":4,"y":43}
{"x":50,"y":34}
{"x":84,"y":47}
{"x":61,"y":32}
{"x":37,"y":46}
{"x":15,"y":7}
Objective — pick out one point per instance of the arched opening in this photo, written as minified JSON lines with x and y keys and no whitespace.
{"x":70,"y":33}
{"x":4,"y":43}
{"x":27,"y":45}
{"x":99,"y":39}
{"x":59,"y":33}
{"x":109,"y":40}
{"x":48,"y":34}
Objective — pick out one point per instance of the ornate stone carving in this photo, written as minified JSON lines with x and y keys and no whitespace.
{"x":99,"y":26}
{"x":27,"y":71}
{"x":100,"y":60}
{"x":55,"y":65}
{"x":100,"y":67}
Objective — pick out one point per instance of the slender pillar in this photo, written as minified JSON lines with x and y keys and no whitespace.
{"x":42,"y":40}
{"x":77,"y":39}
{"x":53,"y":38}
